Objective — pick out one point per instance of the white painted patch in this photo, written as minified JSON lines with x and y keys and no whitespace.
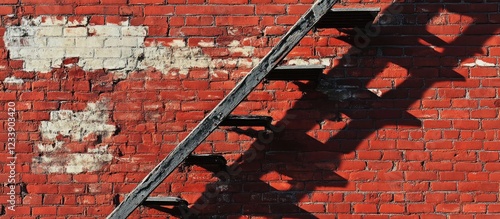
{"x":377,"y":92}
{"x":78,"y":22}
{"x":76,"y":126}
{"x":469,"y":64}
{"x":480,"y":63}
{"x":43,"y":43}
{"x":484,"y":64}
{"x":88,"y":162}
{"x":206,"y":44}
{"x":73,"y":163}
{"x":177,"y":43}
{"x":234,"y":43}
{"x":168,"y":59}
{"x":13,"y":80}
{"x":297,"y":61}
{"x":245,"y":51}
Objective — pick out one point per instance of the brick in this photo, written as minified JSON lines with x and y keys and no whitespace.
{"x":410,"y":145}
{"x":32,"y":96}
{"x":225,"y":2}
{"x":130,"y":106}
{"x":213,"y":10}
{"x":53,"y":9}
{"x":145,"y":2}
{"x":466,"y":124}
{"x":443,"y":186}
{"x":297,"y":9}
{"x":476,"y":208}
{"x":195,"y":85}
{"x":158,"y":10}
{"x":59,"y":96}
{"x":8,"y":2}
{"x":439,"y":166}
{"x":237,"y":21}
{"x":34,"y":116}
{"x":392,"y":208}
{"x":177,"y":95}
{"x":97,"y":10}
{"x":377,"y":186}
{"x":482,"y":93}
{"x":365,"y":208}
{"x":50,"y":210}
{"x":128,"y":116}
{"x":455,"y":114}
{"x":5,"y":10}
{"x":420,"y":208}
{"x":420,"y":176}
{"x":113,"y":2}
{"x":270,"y":9}
{"x":198,"y":31}
{"x":67,"y":210}
{"x":477,"y":186}
{"x":448,"y":208}
{"x":190,"y":116}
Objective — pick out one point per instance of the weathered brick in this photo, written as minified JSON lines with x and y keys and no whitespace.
{"x":423,"y":144}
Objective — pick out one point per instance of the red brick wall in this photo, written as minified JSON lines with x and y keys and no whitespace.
{"x":103,"y":90}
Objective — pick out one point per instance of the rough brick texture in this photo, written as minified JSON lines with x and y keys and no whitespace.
{"x":104,"y":90}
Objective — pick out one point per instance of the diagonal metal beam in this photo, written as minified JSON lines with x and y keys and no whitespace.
{"x":222,"y":110}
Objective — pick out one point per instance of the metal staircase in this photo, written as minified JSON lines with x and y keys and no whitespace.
{"x":320,"y":14}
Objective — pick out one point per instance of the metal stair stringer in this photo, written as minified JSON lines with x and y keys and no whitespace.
{"x":222,"y":110}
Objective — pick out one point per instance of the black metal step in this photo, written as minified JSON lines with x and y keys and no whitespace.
{"x":296,"y":72}
{"x":171,"y":201}
{"x":204,"y":159}
{"x":232,"y":120}
{"x":348,"y":18}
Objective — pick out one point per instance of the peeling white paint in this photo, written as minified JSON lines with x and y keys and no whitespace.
{"x":88,"y":162}
{"x":13,"y":80}
{"x":73,"y":163}
{"x":377,"y":92}
{"x":484,"y":64}
{"x":297,"y":61}
{"x":234,"y":43}
{"x":480,"y":63}
{"x":206,"y":44}
{"x":78,"y":22}
{"x":43,"y":43}
{"x":50,"y":147}
{"x":177,"y":43}
{"x":168,"y":59}
{"x":245,"y":51}
{"x":76,"y":126}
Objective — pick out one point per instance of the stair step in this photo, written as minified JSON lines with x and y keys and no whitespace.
{"x":296,"y":72}
{"x":232,"y":120}
{"x":201,"y":159}
{"x":172,"y":201}
{"x":348,"y":17}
